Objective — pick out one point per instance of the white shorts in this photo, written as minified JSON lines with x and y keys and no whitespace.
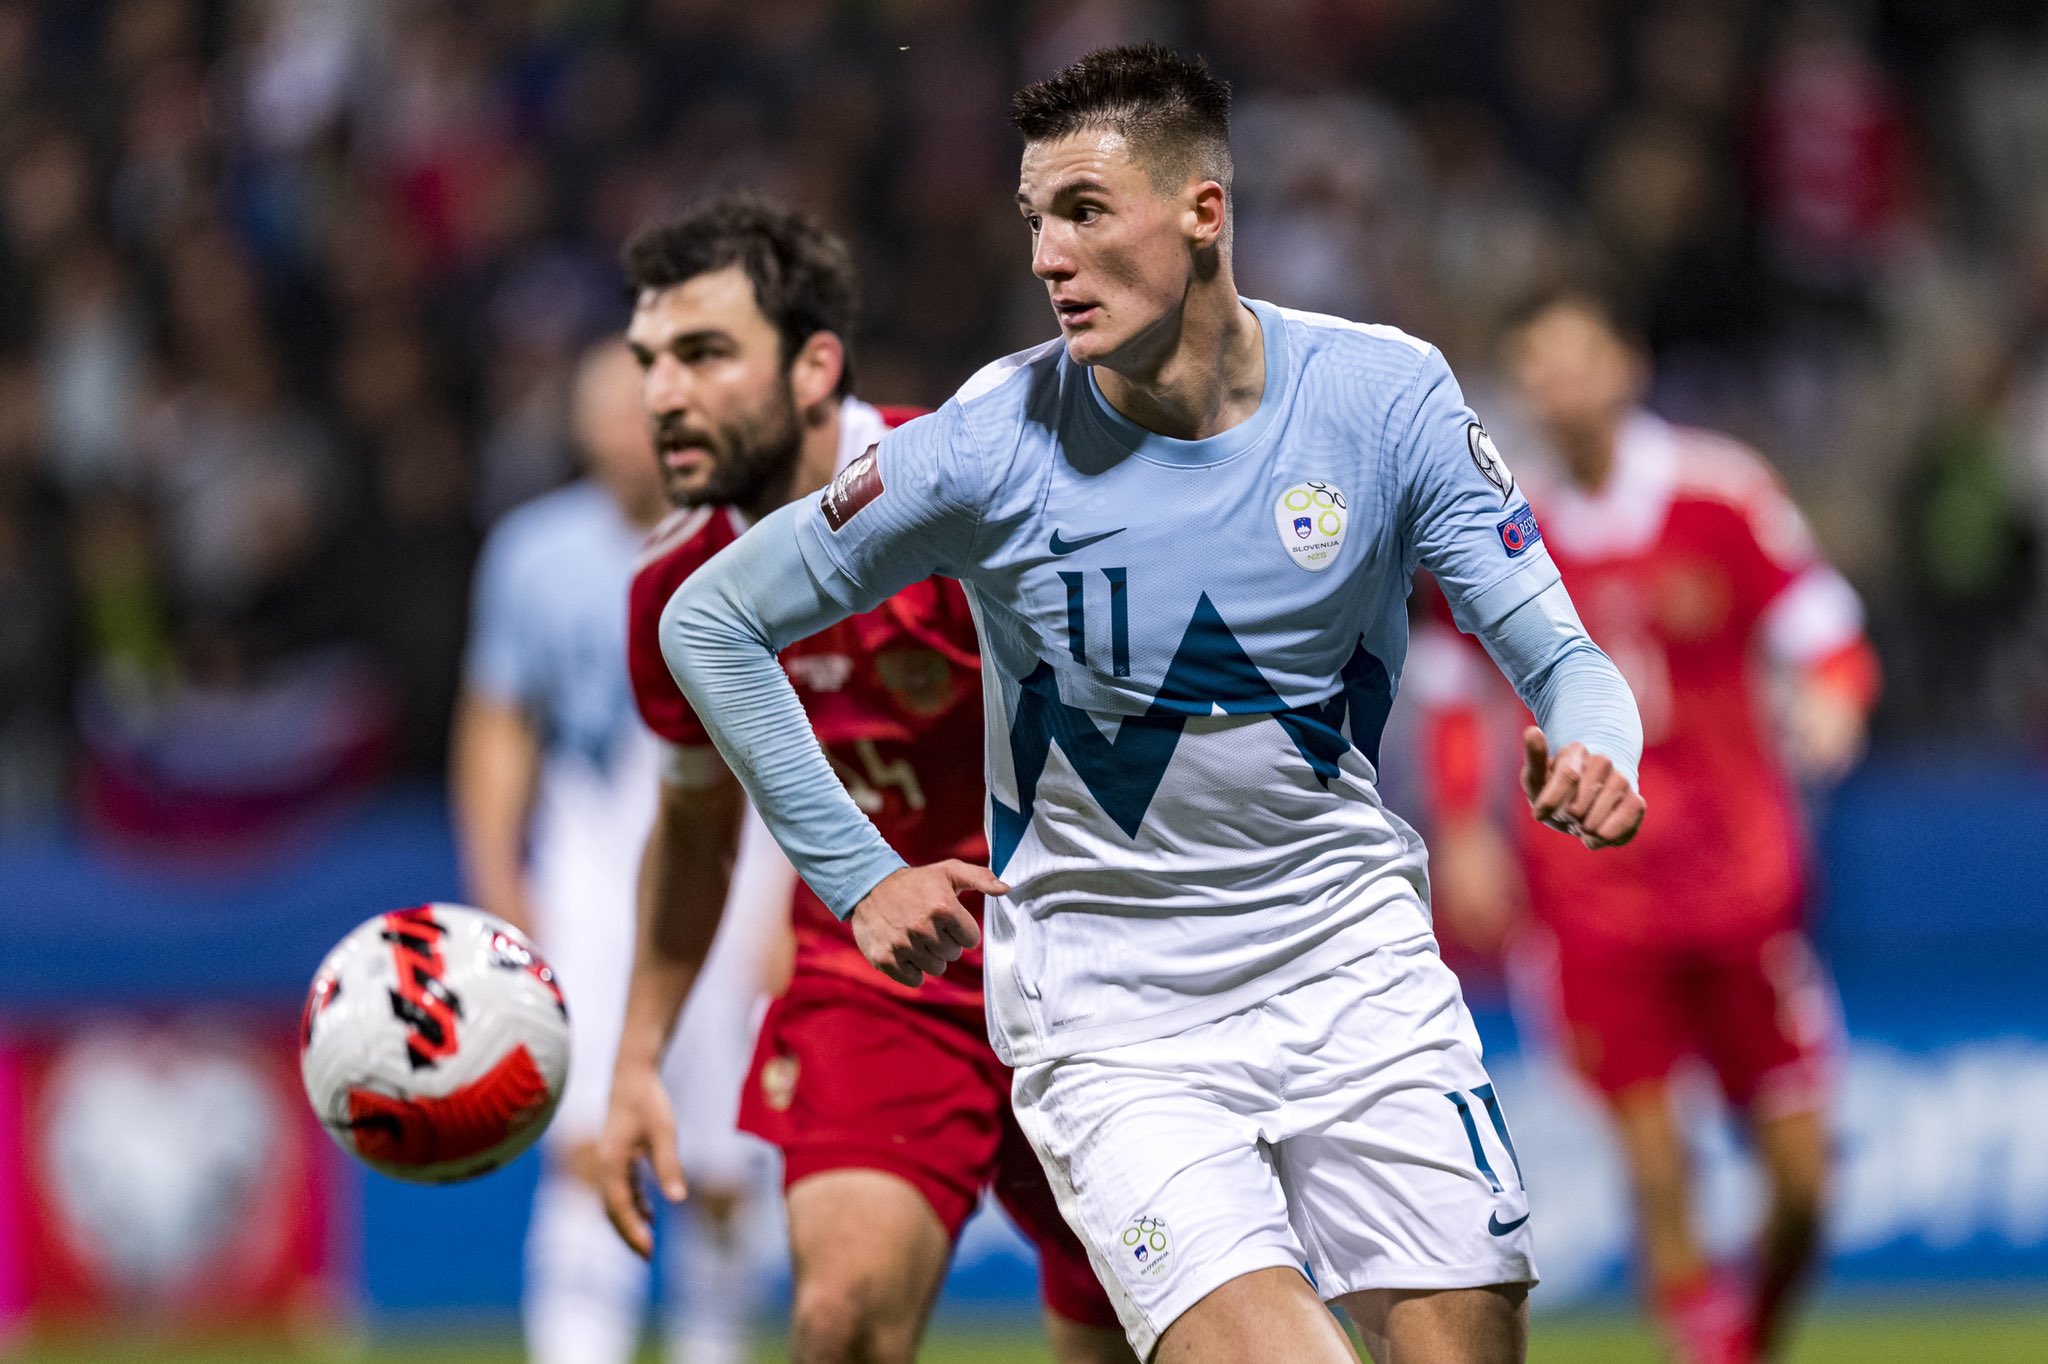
{"x":1344,"y":1128}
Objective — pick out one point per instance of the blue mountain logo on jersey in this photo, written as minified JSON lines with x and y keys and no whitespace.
{"x":1302,"y":526}
{"x":1519,"y":532}
{"x":1210,"y":672}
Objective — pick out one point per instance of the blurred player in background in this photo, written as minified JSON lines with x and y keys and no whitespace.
{"x":1698,"y":577}
{"x":1188,"y":527}
{"x":890,"y":1107}
{"x":554,"y":781}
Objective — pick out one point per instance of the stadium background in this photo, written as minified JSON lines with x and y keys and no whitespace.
{"x":289,"y":293}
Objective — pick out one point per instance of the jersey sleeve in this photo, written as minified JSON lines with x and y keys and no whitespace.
{"x":1769,"y":548}
{"x":661,"y":702}
{"x":499,"y":661}
{"x":1467,"y":520}
{"x":906,"y":509}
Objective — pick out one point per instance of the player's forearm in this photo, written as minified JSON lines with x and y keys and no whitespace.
{"x":684,"y":877}
{"x":720,"y":635}
{"x":1573,"y":689}
{"x":493,"y":764}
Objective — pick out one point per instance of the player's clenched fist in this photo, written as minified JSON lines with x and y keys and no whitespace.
{"x":638,"y":1126}
{"x":1579,"y":792}
{"x":912,"y":924}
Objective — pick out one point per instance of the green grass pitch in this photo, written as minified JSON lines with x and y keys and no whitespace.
{"x":1966,"y":1334}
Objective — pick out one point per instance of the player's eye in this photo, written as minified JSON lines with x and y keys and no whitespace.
{"x":1087,"y":213}
{"x":1034,"y":222}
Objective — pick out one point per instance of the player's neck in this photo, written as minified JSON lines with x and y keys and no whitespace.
{"x":1210,"y":374}
{"x":1589,"y":456}
{"x":817,"y":460}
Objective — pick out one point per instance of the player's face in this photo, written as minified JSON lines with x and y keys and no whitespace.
{"x":1114,"y":252}
{"x":1577,"y":376}
{"x":717,"y":395}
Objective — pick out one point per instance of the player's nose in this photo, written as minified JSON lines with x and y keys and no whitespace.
{"x":1050,"y":260}
{"x":666,"y":387}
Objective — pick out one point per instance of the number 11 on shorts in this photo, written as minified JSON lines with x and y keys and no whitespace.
{"x":1485,"y":1095}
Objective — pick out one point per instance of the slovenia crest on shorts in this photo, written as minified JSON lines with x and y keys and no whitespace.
{"x":1312,"y":517}
{"x":1147,"y":1244}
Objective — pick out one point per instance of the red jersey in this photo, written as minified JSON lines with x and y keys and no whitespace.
{"x":894,"y":696}
{"x":1686,"y":561}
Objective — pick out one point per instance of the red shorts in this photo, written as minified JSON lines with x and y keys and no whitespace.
{"x":844,"y":1077}
{"x":1760,"y":1011}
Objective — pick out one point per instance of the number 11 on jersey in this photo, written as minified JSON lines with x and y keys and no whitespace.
{"x":1119,"y":619}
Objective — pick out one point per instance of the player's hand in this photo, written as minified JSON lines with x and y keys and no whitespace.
{"x":1476,"y":890}
{"x":1579,"y":792}
{"x":639,"y":1126}
{"x":912,"y":924}
{"x":1827,"y":731}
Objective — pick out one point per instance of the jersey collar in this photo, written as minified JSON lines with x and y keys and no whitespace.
{"x":1225,"y":444}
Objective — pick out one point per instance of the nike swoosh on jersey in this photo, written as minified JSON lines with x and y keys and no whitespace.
{"x":1500,"y":1228}
{"x":1060,"y":546}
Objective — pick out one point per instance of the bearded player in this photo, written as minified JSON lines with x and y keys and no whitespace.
{"x":890,"y":1107}
{"x":1694,"y":572}
{"x":552,"y":784}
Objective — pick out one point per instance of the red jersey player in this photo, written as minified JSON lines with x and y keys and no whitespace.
{"x":891,"y":1109}
{"x":1692,"y":569}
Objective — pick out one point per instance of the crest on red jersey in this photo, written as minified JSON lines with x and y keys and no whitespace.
{"x":858,"y":484}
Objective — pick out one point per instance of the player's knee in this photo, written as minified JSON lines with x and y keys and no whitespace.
{"x":840,"y":1319}
{"x":1797,"y":1161}
{"x":1799,"y":1188}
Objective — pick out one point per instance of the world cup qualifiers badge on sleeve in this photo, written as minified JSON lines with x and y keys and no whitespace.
{"x":858,"y":484}
{"x":1311,"y":518}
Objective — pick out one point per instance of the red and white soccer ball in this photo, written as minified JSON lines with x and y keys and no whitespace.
{"x":434,"y":1043}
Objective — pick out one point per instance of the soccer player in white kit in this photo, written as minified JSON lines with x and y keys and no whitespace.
{"x":554,"y":781}
{"x":1187,"y":529}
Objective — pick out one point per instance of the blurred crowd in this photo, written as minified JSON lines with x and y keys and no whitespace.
{"x":290,"y":291}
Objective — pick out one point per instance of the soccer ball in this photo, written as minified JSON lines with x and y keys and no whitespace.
{"x":434,"y":1043}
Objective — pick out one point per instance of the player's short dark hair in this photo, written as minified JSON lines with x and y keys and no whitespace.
{"x":1170,"y":109}
{"x":802,"y":272}
{"x":1597,"y":300}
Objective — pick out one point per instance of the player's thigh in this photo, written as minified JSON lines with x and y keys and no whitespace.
{"x":1266,"y":1314}
{"x":1468,"y":1325}
{"x":1400,"y":1168}
{"x":1767,"y":1021}
{"x":867,"y":1254}
{"x":1651,"y":1134}
{"x":1160,"y":1173}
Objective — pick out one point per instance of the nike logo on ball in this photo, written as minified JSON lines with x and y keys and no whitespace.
{"x":1500,"y":1228}
{"x":1060,"y":546}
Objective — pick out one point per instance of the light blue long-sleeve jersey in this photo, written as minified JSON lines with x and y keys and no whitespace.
{"x":1190,"y":650}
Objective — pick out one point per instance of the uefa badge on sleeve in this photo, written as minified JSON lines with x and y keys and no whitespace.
{"x":1312,"y":518}
{"x":1518,"y":532}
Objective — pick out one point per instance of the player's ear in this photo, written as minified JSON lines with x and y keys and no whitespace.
{"x":1207,"y":213}
{"x":815,"y":369}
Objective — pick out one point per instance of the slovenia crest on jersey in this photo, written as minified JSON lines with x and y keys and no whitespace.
{"x":1312,"y":518}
